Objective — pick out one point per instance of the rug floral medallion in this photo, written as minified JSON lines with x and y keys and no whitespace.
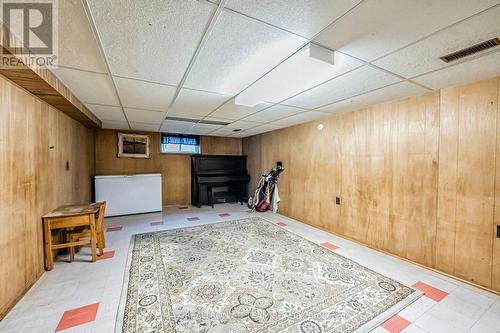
{"x":250,"y":276}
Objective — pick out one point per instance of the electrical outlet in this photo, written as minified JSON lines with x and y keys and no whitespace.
{"x":337,"y":200}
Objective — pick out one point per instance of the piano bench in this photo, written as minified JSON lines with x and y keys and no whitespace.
{"x":212,"y":190}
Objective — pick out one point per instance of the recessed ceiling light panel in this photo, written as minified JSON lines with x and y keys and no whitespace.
{"x":307,"y":68}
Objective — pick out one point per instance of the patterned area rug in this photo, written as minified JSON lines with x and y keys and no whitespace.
{"x":250,"y":276}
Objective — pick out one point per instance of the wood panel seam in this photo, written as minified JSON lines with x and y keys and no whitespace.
{"x":494,"y":184}
{"x":438,"y":178}
{"x":456,"y":187}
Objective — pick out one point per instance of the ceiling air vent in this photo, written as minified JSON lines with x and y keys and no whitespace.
{"x":471,"y":50}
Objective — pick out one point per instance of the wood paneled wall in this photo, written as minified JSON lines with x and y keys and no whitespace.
{"x":418,"y":178}
{"x":175,"y":168}
{"x":467,"y":168}
{"x":36,"y":141}
{"x":218,"y":145}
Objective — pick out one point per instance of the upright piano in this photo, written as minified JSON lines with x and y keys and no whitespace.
{"x":227,"y":173}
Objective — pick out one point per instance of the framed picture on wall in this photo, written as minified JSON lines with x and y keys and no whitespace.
{"x":133,"y":145}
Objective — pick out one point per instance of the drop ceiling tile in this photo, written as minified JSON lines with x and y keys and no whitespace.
{"x":77,"y":46}
{"x":223,"y":120}
{"x":151,"y":40}
{"x":242,"y":134}
{"x":390,"y":93}
{"x":305,"y":18}
{"x":257,"y":130}
{"x":144,"y":116}
{"x":423,"y":56}
{"x":137,"y":126}
{"x":351,"y":104}
{"x":377,"y":27}
{"x":211,"y":127}
{"x":174,"y":126}
{"x":242,"y":124}
{"x":94,"y":88}
{"x":300,"y":118}
{"x":274,"y":113}
{"x":120,"y":125}
{"x":222,"y":132}
{"x":198,"y":103}
{"x":299,"y":74}
{"x":107,"y":113}
{"x":201,"y":129}
{"x":266,"y":128}
{"x":144,"y":95}
{"x":213,"y":134}
{"x":198,"y":131}
{"x":479,"y":68}
{"x":230,"y":110}
{"x":239,"y":51}
{"x":353,"y":83}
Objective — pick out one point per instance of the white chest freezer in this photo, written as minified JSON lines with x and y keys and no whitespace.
{"x":129,"y":194}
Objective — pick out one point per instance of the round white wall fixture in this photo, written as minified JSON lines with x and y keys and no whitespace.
{"x":320,"y":127}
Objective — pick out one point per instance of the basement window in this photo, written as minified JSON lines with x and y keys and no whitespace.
{"x":179,"y":144}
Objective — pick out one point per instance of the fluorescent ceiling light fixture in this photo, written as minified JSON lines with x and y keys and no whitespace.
{"x":307,"y":68}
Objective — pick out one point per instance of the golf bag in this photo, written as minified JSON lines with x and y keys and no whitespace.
{"x":266,"y":192}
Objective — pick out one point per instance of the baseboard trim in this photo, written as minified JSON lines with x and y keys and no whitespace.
{"x":497,"y":292}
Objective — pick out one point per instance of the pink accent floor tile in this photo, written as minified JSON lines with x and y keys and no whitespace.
{"x":224,"y":215}
{"x":78,"y":316}
{"x":430,"y":291}
{"x":156,"y":223}
{"x":281,"y":224}
{"x":183,"y":207}
{"x":191,"y":219}
{"x":106,"y":255}
{"x":114,"y":229}
{"x":329,"y":246}
{"x":395,"y":324}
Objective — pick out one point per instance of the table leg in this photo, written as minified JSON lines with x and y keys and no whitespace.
{"x":100,"y":242}
{"x":93,"y":237}
{"x":103,"y":240}
{"x":49,"y":260}
{"x":71,"y":250}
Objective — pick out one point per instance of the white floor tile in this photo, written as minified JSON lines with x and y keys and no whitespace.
{"x":417,"y":308}
{"x":80,"y":283}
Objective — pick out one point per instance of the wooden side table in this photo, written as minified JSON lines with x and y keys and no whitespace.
{"x":69,"y":217}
